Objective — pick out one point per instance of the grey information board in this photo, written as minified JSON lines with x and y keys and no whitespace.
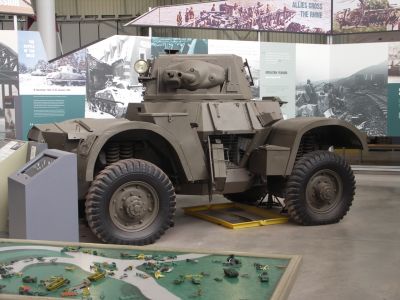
{"x":43,"y":198}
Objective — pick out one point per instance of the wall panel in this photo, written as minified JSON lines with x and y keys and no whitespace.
{"x":70,"y":36}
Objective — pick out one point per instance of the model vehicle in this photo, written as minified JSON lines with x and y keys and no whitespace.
{"x":69,"y":294}
{"x":264,"y":277}
{"x":55,"y":283}
{"x":78,"y":288}
{"x":198,"y":132}
{"x":29,"y":279}
{"x":231,"y":272}
{"x":24,"y":290}
{"x":97,"y":276}
{"x":70,"y":249}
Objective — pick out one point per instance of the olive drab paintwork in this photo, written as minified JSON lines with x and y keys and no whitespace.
{"x":199,"y":132}
{"x":200,"y":107}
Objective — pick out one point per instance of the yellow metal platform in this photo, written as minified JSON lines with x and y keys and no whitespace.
{"x":235,"y":215}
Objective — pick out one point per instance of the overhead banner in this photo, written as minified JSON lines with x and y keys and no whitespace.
{"x":365,"y":15}
{"x":267,"y":15}
{"x":16,"y":7}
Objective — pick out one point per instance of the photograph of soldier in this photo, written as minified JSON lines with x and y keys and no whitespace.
{"x":354,"y":91}
{"x":112,"y":80}
{"x":179,"y":19}
{"x":181,"y":45}
{"x":270,"y":15}
{"x":10,"y":122}
{"x":366,"y":15}
{"x":394,"y":63}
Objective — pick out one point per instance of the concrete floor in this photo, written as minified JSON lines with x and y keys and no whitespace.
{"x":357,"y":259}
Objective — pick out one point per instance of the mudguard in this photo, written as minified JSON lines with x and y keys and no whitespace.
{"x":288,"y":133}
{"x":92,"y":134}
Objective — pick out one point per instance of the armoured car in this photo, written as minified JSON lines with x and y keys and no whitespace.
{"x":198,"y":132}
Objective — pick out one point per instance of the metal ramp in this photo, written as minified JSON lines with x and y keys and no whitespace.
{"x":236,"y":215}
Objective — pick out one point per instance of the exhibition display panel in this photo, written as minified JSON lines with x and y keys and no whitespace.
{"x":43,"y":198}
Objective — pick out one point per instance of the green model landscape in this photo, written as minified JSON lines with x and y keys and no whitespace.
{"x":202,"y":277}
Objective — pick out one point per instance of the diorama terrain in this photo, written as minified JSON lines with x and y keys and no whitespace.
{"x":91,"y":271}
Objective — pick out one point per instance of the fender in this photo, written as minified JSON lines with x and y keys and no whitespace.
{"x":288,"y":133}
{"x":90,"y":152}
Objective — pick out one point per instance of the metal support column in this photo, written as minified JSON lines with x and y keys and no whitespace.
{"x":46,"y":18}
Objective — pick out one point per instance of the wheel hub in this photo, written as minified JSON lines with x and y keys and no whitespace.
{"x":134,"y":206}
{"x":324,"y":190}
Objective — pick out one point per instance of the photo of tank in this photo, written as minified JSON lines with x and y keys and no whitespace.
{"x":366,"y":15}
{"x":358,"y":97}
{"x":394,"y":63}
{"x":66,"y":75}
{"x":112,"y":83}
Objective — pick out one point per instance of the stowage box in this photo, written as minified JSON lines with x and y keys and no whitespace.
{"x":269,"y":160}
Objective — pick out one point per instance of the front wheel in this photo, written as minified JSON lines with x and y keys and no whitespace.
{"x":130,"y":202}
{"x":320,"y":189}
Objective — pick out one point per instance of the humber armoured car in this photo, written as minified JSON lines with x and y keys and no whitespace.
{"x":197,"y":132}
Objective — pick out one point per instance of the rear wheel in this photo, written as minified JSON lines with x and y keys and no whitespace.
{"x":320,"y":189}
{"x":130,"y":202}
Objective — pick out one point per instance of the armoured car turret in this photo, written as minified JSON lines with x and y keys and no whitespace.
{"x":198,"y":132}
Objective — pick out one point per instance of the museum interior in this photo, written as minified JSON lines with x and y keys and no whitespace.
{"x":189,"y":149}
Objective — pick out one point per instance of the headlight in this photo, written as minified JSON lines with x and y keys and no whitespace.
{"x":141,"y":66}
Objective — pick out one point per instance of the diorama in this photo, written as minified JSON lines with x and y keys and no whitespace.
{"x":91,"y":271}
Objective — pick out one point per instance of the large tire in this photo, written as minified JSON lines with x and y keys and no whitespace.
{"x":320,"y":189}
{"x":130,"y":202}
{"x":250,"y":196}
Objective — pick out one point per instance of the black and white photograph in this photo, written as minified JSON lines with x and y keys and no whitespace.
{"x":312,"y":75}
{"x":64,"y":76}
{"x":112,"y":82}
{"x":247,"y":50}
{"x":355,"y":90}
{"x":394,"y":63}
{"x":8,"y":81}
{"x":159,"y":45}
{"x":359,"y":80}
